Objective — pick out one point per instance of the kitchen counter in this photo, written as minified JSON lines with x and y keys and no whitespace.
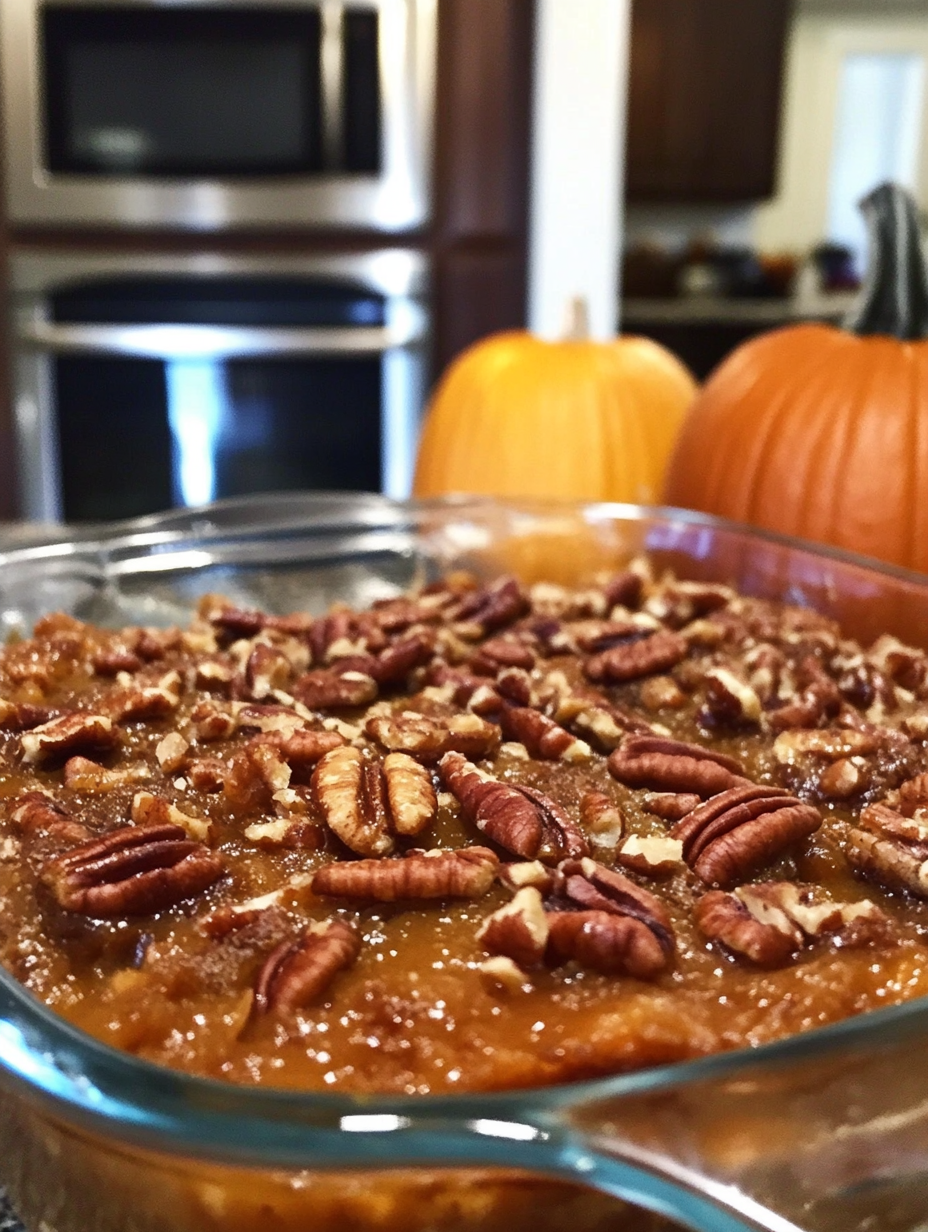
{"x":762,"y":312}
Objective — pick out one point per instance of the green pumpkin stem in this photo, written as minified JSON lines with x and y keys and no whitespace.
{"x":894,"y":300}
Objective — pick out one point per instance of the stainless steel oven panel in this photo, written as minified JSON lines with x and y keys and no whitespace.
{"x":395,"y":199}
{"x":398,"y":274}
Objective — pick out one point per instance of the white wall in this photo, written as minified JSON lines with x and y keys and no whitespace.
{"x":581,"y":71}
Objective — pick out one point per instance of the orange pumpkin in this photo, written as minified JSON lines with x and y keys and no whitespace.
{"x":577,"y":420}
{"x":822,"y":432}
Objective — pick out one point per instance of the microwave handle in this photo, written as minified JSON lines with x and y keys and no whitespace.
{"x":179,"y":342}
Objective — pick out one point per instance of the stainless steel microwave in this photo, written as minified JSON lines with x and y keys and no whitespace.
{"x":216,"y":114}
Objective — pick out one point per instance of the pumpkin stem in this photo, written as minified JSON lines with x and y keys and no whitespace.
{"x":577,"y":320}
{"x":894,"y":300}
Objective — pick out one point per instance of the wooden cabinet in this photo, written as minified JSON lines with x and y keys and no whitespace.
{"x":705,"y":87}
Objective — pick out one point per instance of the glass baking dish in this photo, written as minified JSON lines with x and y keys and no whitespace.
{"x":825,"y":1132}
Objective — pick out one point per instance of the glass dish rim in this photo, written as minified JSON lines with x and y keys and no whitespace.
{"x":93,"y":1084}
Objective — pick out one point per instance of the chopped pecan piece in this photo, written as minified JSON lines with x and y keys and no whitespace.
{"x":150,"y":810}
{"x":645,"y":657}
{"x":267,"y":669}
{"x":81,"y":774}
{"x":211,"y":721}
{"x":38,"y":815}
{"x":761,"y":931}
{"x":171,"y":752}
{"x":72,"y":733}
{"x":913,"y":796}
{"x":527,"y":873}
{"x":652,"y":855}
{"x":518,"y":818}
{"x":842,"y":779}
{"x":730,"y":701}
{"x":669,"y":805}
{"x":610,"y":944}
{"x":672,"y":765}
{"x":602,"y":820}
{"x":297,"y":972}
{"x":136,"y":870}
{"x":518,"y":930}
{"x":498,"y":653}
{"x":662,"y":693}
{"x":739,"y":831}
{"x":467,"y":873}
{"x":542,"y":737}
{"x":770,"y":921}
{"x":145,"y":701}
{"x":331,"y":688}
{"x":115,"y":658}
{"x":828,"y":743}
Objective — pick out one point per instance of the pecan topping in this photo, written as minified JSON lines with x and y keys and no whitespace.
{"x":115,"y":658}
{"x":519,"y":930}
{"x":739,"y":831}
{"x":298,"y":971}
{"x":661,"y":693}
{"x":350,"y":792}
{"x":672,"y":765}
{"x":467,"y":873}
{"x":645,"y":657}
{"x":498,"y":653}
{"x":428,"y":739}
{"x":136,"y":870}
{"x":730,"y":701}
{"x":610,"y":944}
{"x":145,"y":701}
{"x":72,"y":733}
{"x":394,"y":664}
{"x":330,"y":688}
{"x":211,"y":721}
{"x":38,"y":815}
{"x":518,"y":818}
{"x":541,"y":736}
{"x":891,"y":849}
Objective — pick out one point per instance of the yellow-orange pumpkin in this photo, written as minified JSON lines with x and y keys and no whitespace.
{"x":821,"y":432}
{"x":576,"y":420}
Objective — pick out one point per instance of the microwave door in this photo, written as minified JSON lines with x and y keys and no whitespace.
{"x":149,"y":416}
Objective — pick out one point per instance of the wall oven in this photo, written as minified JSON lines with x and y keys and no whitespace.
{"x":146,"y":381}
{"x":210,"y":114}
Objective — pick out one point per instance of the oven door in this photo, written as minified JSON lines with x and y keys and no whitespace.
{"x":140,"y":391}
{"x":218,"y":113}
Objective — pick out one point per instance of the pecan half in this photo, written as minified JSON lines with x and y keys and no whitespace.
{"x":520,"y":819}
{"x":645,"y":657}
{"x":467,"y":873}
{"x":297,"y":972}
{"x":498,"y":653}
{"x":489,"y":607}
{"x":890,"y":849}
{"x":136,"y":870}
{"x":350,"y":792}
{"x":739,"y":831}
{"x":665,"y":765}
{"x":72,"y":733}
{"x":542,"y":737}
{"x":428,"y":739}
{"x":330,"y":688}
{"x":590,"y":886}
{"x":411,"y":797}
{"x":518,"y":930}
{"x":610,"y":944}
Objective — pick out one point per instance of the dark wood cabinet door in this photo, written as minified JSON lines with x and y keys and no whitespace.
{"x":705,"y":87}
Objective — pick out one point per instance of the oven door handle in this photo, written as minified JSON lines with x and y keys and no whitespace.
{"x":180,"y":342}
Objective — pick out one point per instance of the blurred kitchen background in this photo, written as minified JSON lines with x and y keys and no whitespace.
{"x":241,"y":238}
